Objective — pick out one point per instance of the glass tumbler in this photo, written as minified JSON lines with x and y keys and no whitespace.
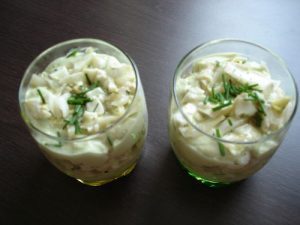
{"x":98,"y":158}
{"x":195,"y":152}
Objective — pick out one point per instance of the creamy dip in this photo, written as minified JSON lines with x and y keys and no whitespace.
{"x":92,"y":111}
{"x":231,"y":100}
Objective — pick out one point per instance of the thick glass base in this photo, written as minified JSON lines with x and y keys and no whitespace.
{"x":206,"y":182}
{"x":101,"y":182}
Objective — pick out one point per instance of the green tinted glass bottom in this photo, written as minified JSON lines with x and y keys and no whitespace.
{"x":206,"y":182}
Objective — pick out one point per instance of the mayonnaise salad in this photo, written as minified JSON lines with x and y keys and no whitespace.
{"x":226,"y":105}
{"x":91,"y":114}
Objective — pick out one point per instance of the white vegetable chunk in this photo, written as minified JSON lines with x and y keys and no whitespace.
{"x":73,"y":78}
{"x":96,"y":94}
{"x":99,"y":61}
{"x":58,"y":105}
{"x":243,"y":107}
{"x":37,"y":81}
{"x":37,"y":110}
{"x":82,"y":64}
{"x":59,"y":73}
{"x":95,"y":106}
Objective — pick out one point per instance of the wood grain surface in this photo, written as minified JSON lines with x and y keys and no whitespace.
{"x":156,"y":34}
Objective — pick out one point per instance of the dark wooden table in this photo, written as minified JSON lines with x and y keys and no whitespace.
{"x":156,"y":34}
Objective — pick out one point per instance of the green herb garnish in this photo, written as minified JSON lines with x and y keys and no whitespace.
{"x":213,"y":92}
{"x":72,"y":52}
{"x":91,"y":87}
{"x":79,"y":100}
{"x":96,"y":107}
{"x":133,"y":135}
{"x":231,"y":91}
{"x":222,"y":105}
{"x":110,"y":141}
{"x":41,"y":96}
{"x":74,"y":120}
{"x":88,"y":79}
{"x":259,"y":116}
{"x":229,"y":122}
{"x":255,"y":98}
{"x":205,"y":100}
{"x":221,"y":146}
{"x":53,"y":145}
{"x":59,"y":143}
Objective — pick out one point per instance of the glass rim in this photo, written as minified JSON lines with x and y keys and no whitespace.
{"x":217,"y":41}
{"x":61,"y":44}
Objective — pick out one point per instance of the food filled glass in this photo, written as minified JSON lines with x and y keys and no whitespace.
{"x":231,"y":105}
{"x":84,"y":105}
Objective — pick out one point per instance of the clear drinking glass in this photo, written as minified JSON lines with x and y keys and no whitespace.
{"x":115,"y":157}
{"x":194,"y":153}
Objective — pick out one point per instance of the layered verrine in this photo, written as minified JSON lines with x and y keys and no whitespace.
{"x":229,"y":111}
{"x":84,"y":104}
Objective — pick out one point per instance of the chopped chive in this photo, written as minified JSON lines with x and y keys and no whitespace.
{"x":66,"y":124}
{"x":221,"y":146}
{"x":88,"y":79}
{"x":224,"y":81}
{"x":260,"y":108}
{"x":230,"y":91}
{"x":78,"y":100}
{"x":92,"y":87}
{"x":205,"y":100}
{"x":96,"y":107}
{"x":226,"y":87}
{"x":218,"y":132}
{"x":227,"y":91}
{"x":213,"y":100}
{"x":220,"y":97}
{"x":133,"y":135}
{"x":58,"y":145}
{"x":77,"y":108}
{"x":110,"y":141}
{"x":72,"y":52}
{"x":213,"y":92}
{"x":53,"y":145}
{"x":77,"y":127}
{"x":221,"y":149}
{"x":41,"y":96}
{"x":258,"y":118}
{"x":229,"y":122}
{"x":221,"y":106}
{"x":74,"y":120}
{"x":253,"y":85}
